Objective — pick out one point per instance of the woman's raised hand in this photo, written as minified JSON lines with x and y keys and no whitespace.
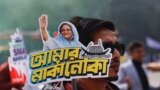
{"x":43,"y":23}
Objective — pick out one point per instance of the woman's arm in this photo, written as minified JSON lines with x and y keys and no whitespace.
{"x":43,"y":23}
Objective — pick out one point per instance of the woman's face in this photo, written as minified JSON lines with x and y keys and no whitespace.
{"x":66,"y":32}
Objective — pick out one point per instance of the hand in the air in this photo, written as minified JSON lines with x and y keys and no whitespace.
{"x":43,"y":23}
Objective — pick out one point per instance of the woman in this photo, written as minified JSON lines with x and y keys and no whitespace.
{"x":67,"y":35}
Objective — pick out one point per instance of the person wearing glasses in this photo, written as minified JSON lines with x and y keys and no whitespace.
{"x":91,"y":29}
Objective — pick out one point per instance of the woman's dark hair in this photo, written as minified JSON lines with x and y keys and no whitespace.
{"x":65,"y":24}
{"x":88,"y":26}
{"x":134,"y":45}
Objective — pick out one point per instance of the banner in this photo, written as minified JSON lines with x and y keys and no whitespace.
{"x":17,"y":59}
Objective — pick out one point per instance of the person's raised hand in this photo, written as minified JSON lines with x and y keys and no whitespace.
{"x":43,"y":24}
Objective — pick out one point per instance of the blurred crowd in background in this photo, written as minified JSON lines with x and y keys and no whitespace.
{"x":134,"y":20}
